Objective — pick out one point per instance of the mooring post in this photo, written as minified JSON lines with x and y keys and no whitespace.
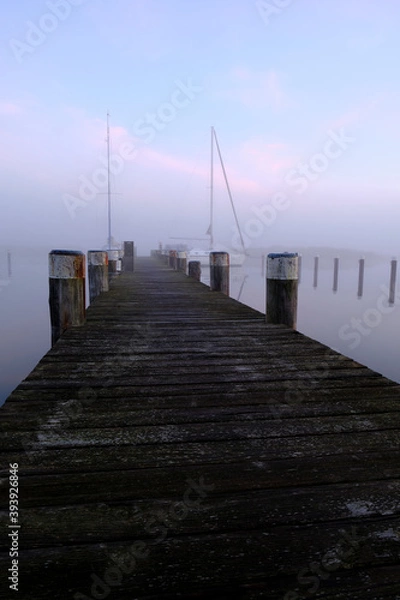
{"x":113,"y":257}
{"x":66,"y":291}
{"x":361,"y":265}
{"x":182,"y":261}
{"x":219,"y":272}
{"x":194,"y":269}
{"x":282,"y":288}
{"x":128,"y":260}
{"x":98,"y":273}
{"x":172,"y":259}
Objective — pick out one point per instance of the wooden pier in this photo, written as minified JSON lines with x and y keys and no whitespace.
{"x":177,"y":446}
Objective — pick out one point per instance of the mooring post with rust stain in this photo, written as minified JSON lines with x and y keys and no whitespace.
{"x":98,"y":273}
{"x":219,"y":272}
{"x":194,"y":269}
{"x":282,"y":288}
{"x":128,"y":261}
{"x":66,"y":291}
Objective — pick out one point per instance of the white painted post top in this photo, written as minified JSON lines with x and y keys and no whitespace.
{"x":283,"y":265}
{"x":97,"y":257}
{"x":66,"y":264}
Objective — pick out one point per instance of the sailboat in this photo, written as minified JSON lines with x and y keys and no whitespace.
{"x":235,"y":258}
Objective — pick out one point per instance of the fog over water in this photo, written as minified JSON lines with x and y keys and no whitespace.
{"x":305,"y":106}
{"x":362,"y":328}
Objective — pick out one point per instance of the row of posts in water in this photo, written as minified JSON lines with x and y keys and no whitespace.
{"x":335,"y":285}
{"x":67,"y":281}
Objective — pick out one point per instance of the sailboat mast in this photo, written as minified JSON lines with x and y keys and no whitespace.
{"x":229,"y":192}
{"x":108,"y":183}
{"x":212,"y":192}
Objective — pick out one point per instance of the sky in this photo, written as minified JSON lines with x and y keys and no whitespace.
{"x":303,"y":95}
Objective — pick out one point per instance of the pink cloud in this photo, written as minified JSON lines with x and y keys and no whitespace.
{"x":357,"y":114}
{"x":269,"y":158}
{"x":237,"y":182}
{"x":9,"y":108}
{"x":256,"y":89}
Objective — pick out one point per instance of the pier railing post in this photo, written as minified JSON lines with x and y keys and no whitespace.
{"x":219,"y":272}
{"x":66,"y":291}
{"x":282,"y":288}
{"x":194,"y":269}
{"x":173,"y":259}
{"x":113,"y":257}
{"x":98,"y":273}
{"x":128,"y":261}
{"x":182,"y":261}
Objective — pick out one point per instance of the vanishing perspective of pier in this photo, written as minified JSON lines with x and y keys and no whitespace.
{"x":175,"y":443}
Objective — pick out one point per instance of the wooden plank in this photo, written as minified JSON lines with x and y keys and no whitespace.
{"x":168,"y":384}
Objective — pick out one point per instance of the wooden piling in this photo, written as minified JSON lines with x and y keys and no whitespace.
{"x":194,"y":269}
{"x":219,"y":272}
{"x":282,"y":288}
{"x":66,"y":291}
{"x":173,"y":259}
{"x":9,"y":266}
{"x":182,"y":261}
{"x":335,"y":274}
{"x":128,"y":261}
{"x":392,"y":285}
{"x":113,"y":258}
{"x":316,"y":265}
{"x":361,"y":265}
{"x":98,"y":273}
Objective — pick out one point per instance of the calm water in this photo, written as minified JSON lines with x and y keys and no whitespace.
{"x":365,"y":329}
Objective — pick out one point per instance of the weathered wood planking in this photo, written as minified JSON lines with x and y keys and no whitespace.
{"x":287,"y":453}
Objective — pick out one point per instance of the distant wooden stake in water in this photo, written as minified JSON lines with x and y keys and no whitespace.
{"x":361,"y":265}
{"x":316,"y":264}
{"x":392,"y":289}
{"x":335,"y":274}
